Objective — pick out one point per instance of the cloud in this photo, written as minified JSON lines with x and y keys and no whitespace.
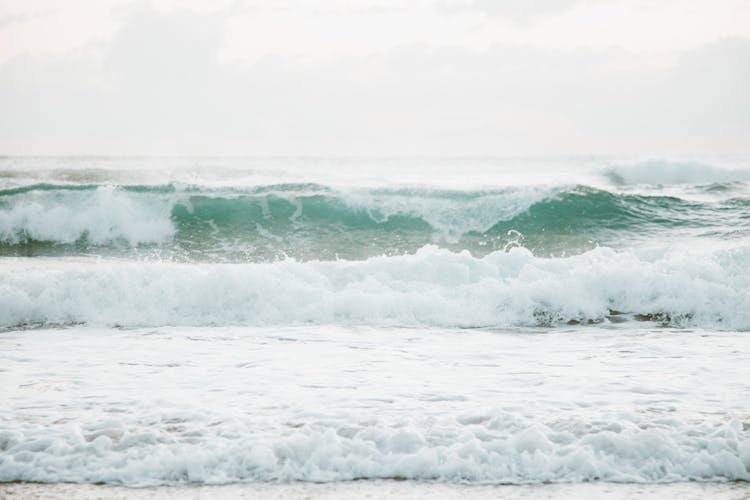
{"x":9,"y":19}
{"x":160,"y":87}
{"x":520,"y":11}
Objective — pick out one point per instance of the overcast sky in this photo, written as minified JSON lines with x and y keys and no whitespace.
{"x":366,"y":77}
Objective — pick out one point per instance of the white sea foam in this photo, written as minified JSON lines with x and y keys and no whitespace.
{"x":492,"y":448}
{"x":102,"y":215}
{"x":434,"y":287}
{"x":220,"y":405}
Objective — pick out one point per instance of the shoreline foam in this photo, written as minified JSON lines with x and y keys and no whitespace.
{"x":354,"y":490}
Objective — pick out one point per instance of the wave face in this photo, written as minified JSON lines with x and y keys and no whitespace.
{"x":314,"y":222}
{"x":434,"y":288}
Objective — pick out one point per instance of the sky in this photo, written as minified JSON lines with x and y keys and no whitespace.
{"x":366,"y":77}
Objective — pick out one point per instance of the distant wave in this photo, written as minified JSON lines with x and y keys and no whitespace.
{"x":313,"y":222}
{"x":667,"y":172}
{"x":434,"y":287}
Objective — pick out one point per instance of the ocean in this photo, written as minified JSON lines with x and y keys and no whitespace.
{"x":466,"y":322}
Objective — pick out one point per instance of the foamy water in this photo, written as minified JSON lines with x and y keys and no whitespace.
{"x":218,"y":405}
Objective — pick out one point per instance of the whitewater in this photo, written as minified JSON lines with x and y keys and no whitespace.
{"x":455,"y":321}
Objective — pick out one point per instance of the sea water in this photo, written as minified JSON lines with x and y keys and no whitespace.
{"x":470,"y":321}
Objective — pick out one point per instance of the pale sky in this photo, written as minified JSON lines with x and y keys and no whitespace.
{"x":365,"y":77}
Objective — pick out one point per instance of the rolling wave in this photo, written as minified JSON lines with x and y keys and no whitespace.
{"x":313,"y":222}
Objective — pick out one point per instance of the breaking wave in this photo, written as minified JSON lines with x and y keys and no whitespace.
{"x":434,"y":287}
{"x":313,"y":222}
